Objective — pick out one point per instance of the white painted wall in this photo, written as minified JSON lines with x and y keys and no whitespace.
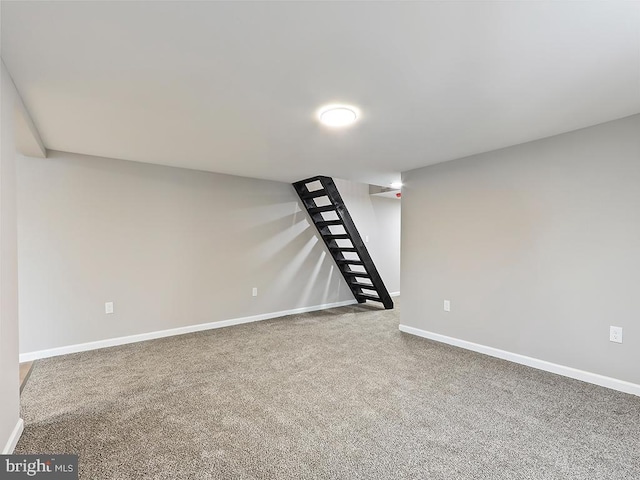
{"x":537,"y":247}
{"x":379,"y":219}
{"x":385,"y":245}
{"x":171,"y":247}
{"x":11,"y":105}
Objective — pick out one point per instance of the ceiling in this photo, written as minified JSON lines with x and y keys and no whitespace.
{"x":234,"y":87}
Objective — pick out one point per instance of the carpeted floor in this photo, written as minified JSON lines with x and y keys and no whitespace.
{"x":338,"y":394}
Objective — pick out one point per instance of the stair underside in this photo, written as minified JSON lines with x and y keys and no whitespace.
{"x":343,"y":254}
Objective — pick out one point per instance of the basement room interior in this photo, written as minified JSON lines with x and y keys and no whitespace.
{"x":373,"y":240}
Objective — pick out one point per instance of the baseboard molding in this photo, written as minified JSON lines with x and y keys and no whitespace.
{"x":395,"y":294}
{"x":112,"y":342}
{"x":13,"y":438}
{"x":594,"y":378}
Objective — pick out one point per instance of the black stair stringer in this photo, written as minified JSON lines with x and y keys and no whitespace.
{"x":357,"y":279}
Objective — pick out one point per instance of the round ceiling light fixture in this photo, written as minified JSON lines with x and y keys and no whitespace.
{"x":338,"y":115}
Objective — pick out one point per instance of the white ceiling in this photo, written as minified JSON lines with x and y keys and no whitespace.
{"x":234,"y":87}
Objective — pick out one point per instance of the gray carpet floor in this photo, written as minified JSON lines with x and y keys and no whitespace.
{"x":337,"y":394}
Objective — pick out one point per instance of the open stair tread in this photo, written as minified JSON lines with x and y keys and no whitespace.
{"x":324,"y":208}
{"x":369,"y":297}
{"x":346,"y":261}
{"x":367,"y":286}
{"x":351,"y":273}
{"x":329,"y":223}
{"x":315,"y":194}
{"x":337,"y":236}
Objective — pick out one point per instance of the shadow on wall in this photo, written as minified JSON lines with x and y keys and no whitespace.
{"x":291,"y":243}
{"x":170,"y":247}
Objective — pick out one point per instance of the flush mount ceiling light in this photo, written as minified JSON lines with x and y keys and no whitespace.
{"x":396,"y":185}
{"x":338,"y":115}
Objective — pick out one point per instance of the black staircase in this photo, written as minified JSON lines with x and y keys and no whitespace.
{"x":336,"y":227}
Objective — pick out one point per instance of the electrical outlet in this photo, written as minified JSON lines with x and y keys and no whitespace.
{"x":255,"y":291}
{"x":366,"y":239}
{"x":447,"y":306}
{"x":615,"y":334}
{"x":108,"y":307}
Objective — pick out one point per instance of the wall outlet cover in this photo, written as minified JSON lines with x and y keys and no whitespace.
{"x":108,"y":307}
{"x":615,"y":334}
{"x":447,"y":306}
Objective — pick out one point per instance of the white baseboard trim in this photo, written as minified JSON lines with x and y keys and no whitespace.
{"x":13,"y":438}
{"x":596,"y":379}
{"x":395,"y":294}
{"x":112,"y":342}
